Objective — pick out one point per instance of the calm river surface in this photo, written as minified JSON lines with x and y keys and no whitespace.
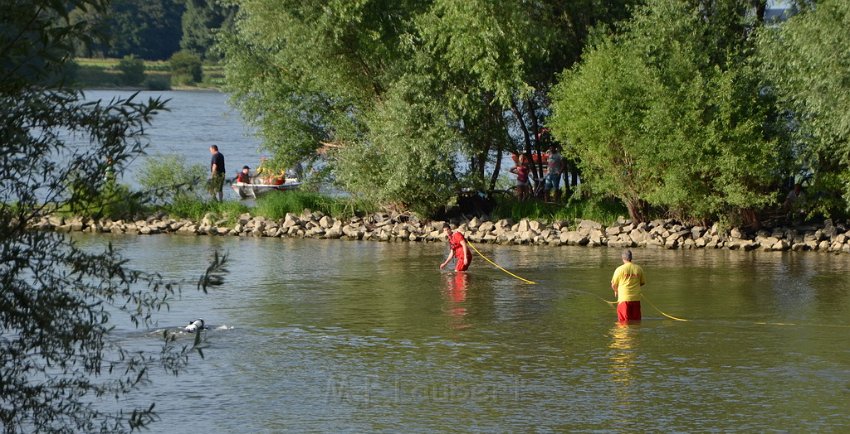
{"x":195,"y":120}
{"x":330,"y":336}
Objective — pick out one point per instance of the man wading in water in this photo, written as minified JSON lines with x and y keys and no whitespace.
{"x":626,"y":283}
{"x":457,"y":249}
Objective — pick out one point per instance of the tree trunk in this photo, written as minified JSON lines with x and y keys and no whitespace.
{"x":637,"y":209}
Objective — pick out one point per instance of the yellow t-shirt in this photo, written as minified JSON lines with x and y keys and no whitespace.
{"x":628,"y":277}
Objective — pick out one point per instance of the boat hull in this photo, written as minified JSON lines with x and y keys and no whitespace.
{"x":252,"y":191}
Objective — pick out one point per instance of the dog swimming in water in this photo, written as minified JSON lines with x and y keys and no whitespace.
{"x":195,"y":325}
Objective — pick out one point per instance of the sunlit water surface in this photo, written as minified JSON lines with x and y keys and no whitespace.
{"x":338,"y":335}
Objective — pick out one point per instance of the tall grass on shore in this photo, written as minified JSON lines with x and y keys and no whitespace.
{"x":272,"y":206}
{"x":195,"y":209}
{"x":276,"y":206}
{"x":605,"y":212}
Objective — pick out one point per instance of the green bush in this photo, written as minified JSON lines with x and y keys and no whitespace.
{"x":186,"y":68}
{"x":114,"y":201}
{"x":132,"y":70}
{"x":170,"y":178}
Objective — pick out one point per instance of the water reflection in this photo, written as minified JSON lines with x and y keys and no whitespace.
{"x":622,"y":354}
{"x":456,"y":284}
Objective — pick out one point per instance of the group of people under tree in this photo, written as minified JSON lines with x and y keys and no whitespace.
{"x":528,"y":185}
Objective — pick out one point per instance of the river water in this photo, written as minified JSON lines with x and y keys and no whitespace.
{"x":331,"y":335}
{"x":193,"y":122}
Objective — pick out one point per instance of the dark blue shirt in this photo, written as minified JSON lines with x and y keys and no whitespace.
{"x":217,"y":160}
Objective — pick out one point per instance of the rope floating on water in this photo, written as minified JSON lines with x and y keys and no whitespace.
{"x":781,"y":324}
{"x":499,"y":266}
{"x":643,"y":296}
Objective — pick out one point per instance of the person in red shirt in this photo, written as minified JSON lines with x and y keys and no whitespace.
{"x":244,"y":176}
{"x":521,"y":170}
{"x":457,"y":249}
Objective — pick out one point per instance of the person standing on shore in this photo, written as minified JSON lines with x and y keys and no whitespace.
{"x":626,"y":283}
{"x":521,"y":170}
{"x":457,"y":249}
{"x":555,"y":166}
{"x":216,"y":173}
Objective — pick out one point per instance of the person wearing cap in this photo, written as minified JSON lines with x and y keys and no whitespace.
{"x":457,"y":249}
{"x":626,"y":283}
{"x":244,"y":176}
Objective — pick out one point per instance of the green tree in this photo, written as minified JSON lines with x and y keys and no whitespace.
{"x":59,"y":301}
{"x":148,"y":29}
{"x":201,"y":21}
{"x":669,"y":113}
{"x":186,"y":68}
{"x":132,"y":70}
{"x":807,"y":61}
{"x":467,"y":80}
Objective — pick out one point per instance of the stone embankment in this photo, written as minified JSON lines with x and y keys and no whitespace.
{"x":666,"y":234}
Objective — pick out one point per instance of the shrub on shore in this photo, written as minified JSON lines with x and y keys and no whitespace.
{"x":186,"y":68}
{"x":132,"y":70}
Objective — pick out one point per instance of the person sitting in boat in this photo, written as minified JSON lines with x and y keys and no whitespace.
{"x":244,"y":176}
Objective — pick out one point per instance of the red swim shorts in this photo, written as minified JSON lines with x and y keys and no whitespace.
{"x":628,"y":311}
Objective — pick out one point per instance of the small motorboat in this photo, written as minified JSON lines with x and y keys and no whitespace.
{"x":252,"y":191}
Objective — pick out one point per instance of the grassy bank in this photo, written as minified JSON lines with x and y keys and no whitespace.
{"x":271,"y":206}
{"x":276,"y":206}
{"x":605,"y":212}
{"x":104,"y":74}
{"x":120,"y":202}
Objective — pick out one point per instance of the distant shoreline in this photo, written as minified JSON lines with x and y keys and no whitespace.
{"x":106,"y":74}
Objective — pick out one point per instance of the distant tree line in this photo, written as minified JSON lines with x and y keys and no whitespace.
{"x":695,"y":109}
{"x":154,"y":29}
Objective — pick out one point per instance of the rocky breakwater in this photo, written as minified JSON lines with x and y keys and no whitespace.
{"x":667,"y":234}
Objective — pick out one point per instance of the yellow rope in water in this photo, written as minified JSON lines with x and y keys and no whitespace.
{"x":498,"y":266}
{"x":643,"y":296}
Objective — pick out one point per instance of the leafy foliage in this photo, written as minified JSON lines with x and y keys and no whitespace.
{"x":397,"y":92}
{"x":186,"y":68}
{"x":132,"y":70}
{"x":148,"y":29}
{"x":806,"y":61}
{"x":669,"y":113}
{"x":169,"y":178}
{"x":58,"y":300}
{"x":201,"y":21}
